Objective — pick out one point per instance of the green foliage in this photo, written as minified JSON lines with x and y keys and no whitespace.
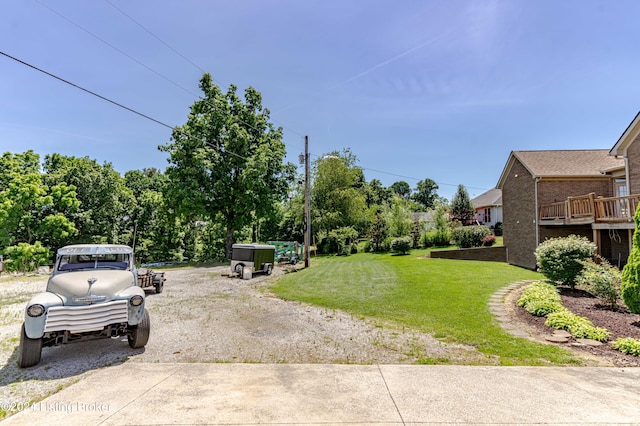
{"x":401,"y":189}
{"x":541,"y":299}
{"x":416,"y":233}
{"x":26,"y":257}
{"x":101,"y":192}
{"x":376,"y":194}
{"x":337,"y":198}
{"x":425,"y":194}
{"x":378,"y":233}
{"x":630,"y":286}
{"x":560,"y":259}
{"x":442,"y":235}
{"x":401,"y":245}
{"x":602,"y":280}
{"x":399,"y":217}
{"x":497,"y":229}
{"x":627,"y":345}
{"x":578,"y":326}
{"x":461,"y":207}
{"x":31,"y":210}
{"x":469,"y":236}
{"x":226,"y":161}
{"x":339,"y":241}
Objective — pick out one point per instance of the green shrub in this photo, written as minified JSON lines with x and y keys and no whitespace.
{"x":469,"y":236}
{"x":541,"y":299}
{"x":627,"y":345}
{"x":602,"y":280}
{"x":440,"y":238}
{"x":354,"y":248}
{"x":26,"y":257}
{"x":401,"y":245}
{"x":630,"y":286}
{"x":338,"y":241}
{"x":560,"y":259}
{"x":578,"y":326}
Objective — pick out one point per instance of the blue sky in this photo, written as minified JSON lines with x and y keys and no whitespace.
{"x":417,"y":89}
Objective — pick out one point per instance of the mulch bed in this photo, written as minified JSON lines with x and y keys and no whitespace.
{"x":619,"y":322}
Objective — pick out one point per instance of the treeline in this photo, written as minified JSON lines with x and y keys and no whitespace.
{"x":227,"y":181}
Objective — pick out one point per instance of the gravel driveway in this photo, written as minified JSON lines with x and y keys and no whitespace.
{"x":204,"y":316}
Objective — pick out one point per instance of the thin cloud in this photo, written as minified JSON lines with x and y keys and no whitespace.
{"x":388,"y":61}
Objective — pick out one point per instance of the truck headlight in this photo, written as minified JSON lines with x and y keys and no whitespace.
{"x":136,"y":300}
{"x":35,"y":310}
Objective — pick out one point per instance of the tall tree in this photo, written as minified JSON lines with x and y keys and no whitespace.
{"x":401,"y":188}
{"x":377,"y":194}
{"x":101,"y":191}
{"x":226,"y":161}
{"x":336,"y":196}
{"x":461,"y":206}
{"x":30,"y":210}
{"x":425,"y":194}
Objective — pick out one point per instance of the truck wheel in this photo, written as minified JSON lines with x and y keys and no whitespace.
{"x":159,"y":287}
{"x":139,"y":335}
{"x":269,"y":269}
{"x":29,"y":351}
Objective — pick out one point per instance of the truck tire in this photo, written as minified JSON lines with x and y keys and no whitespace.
{"x":159,"y":287}
{"x":269,"y":269}
{"x":29,"y":351}
{"x":139,"y":335}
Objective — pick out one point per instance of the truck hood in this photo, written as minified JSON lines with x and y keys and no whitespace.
{"x":79,"y":284}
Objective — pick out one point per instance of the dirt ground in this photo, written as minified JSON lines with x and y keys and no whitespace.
{"x":204,"y":316}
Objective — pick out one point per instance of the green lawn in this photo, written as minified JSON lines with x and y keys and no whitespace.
{"x":448,"y":298}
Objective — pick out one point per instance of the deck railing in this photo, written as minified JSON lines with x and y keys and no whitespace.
{"x":591,"y":208}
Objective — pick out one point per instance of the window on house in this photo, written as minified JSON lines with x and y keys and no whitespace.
{"x":487,"y":215}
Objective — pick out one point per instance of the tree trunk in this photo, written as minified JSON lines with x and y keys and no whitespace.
{"x":229,"y":243}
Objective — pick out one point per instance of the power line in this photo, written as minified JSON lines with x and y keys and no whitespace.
{"x":116,"y":49}
{"x":143,"y":64}
{"x":104,"y":98}
{"x":116,"y":103}
{"x":85,"y":90}
{"x":155,"y":36}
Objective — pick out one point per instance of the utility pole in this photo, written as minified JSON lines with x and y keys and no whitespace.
{"x":307,"y":205}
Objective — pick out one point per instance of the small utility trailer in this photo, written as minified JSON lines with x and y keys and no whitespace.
{"x":287,"y":251}
{"x":249,"y":258}
{"x":148,"y":278}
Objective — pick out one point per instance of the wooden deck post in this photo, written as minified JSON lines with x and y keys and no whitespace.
{"x":596,"y":239}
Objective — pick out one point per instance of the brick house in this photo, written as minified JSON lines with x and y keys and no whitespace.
{"x":488,"y":207}
{"x":593,"y":193}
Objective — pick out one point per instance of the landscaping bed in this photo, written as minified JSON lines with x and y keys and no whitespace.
{"x":619,"y":322}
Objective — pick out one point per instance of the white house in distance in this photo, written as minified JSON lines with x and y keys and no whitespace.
{"x":488,"y":207}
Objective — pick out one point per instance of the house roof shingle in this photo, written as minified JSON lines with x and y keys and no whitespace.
{"x":568,"y":163}
{"x":492,"y":197}
{"x":564,"y":163}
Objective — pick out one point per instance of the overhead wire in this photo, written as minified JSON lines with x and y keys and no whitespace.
{"x":168,"y":79}
{"x":118,"y":104}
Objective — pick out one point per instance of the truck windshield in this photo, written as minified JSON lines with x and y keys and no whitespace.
{"x":77,"y":262}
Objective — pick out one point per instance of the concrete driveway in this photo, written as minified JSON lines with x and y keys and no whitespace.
{"x":303,"y":394}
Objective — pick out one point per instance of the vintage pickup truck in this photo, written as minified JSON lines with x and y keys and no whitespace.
{"x":92,"y":292}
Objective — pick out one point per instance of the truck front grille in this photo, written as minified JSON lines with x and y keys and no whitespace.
{"x":77,"y":319}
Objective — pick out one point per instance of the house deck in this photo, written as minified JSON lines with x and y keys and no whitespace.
{"x":614,"y":212}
